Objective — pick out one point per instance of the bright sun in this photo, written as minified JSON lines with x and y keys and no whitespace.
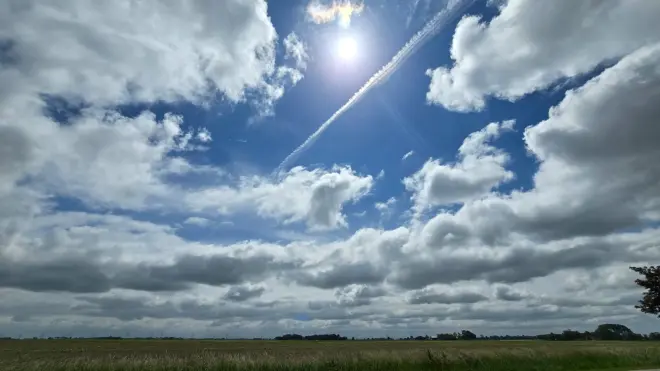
{"x":347,"y":48}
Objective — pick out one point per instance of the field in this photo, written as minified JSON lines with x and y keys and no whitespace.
{"x":200,"y":355}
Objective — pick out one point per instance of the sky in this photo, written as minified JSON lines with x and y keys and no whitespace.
{"x":243,"y":168}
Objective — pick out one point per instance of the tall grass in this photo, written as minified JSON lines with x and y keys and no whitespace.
{"x":546,"y":358}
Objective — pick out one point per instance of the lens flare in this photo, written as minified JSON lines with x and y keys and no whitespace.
{"x":340,"y":10}
{"x":347,"y":48}
{"x":433,"y":27}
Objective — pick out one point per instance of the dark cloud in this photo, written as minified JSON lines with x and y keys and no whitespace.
{"x":215,"y":270}
{"x":358,"y":295}
{"x":342,"y":275}
{"x":572,"y":301}
{"x":16,"y":152}
{"x":536,"y":314}
{"x":518,"y":265}
{"x":432,"y":297}
{"x":75,"y":275}
{"x":507,"y":293}
{"x":243,"y":293}
{"x":79,"y":275}
{"x":135,"y":308}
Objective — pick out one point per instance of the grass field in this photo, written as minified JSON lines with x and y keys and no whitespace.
{"x":191,"y":355}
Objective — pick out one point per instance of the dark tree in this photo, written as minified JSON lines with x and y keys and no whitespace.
{"x":572,"y":335}
{"x":289,"y":337}
{"x":468,"y":335}
{"x":650,"y":303}
{"x":613,"y":331}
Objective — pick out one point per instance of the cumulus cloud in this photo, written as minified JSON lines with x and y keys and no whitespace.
{"x":123,"y":159}
{"x":480,"y":168}
{"x":595,"y":176}
{"x":365,"y":258}
{"x":313,"y":196}
{"x":358,"y":295}
{"x":386,"y":208}
{"x":530,"y":45}
{"x":295,"y":49}
{"x":93,"y":152}
{"x":244,"y":292}
{"x":342,"y":275}
{"x":508,"y":293}
{"x":589,"y":156}
{"x":284,"y":76}
{"x":430,"y":296}
{"x":79,"y":276}
{"x":230,"y":50}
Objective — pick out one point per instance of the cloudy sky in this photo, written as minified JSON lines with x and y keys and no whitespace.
{"x":499,"y":171}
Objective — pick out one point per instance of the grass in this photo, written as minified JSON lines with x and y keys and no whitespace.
{"x":184,"y":355}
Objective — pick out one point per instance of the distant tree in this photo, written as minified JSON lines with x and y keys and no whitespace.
{"x":572,"y":335}
{"x":650,"y":302}
{"x":290,"y":337}
{"x":468,"y":335}
{"x":325,"y":337}
{"x":447,"y":337}
{"x":613,"y":331}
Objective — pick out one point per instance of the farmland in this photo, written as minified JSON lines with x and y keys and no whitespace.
{"x":200,"y":355}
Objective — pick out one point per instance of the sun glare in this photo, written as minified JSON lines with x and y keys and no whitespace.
{"x":347,"y":48}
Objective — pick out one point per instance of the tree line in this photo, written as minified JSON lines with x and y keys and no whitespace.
{"x":608,"y":331}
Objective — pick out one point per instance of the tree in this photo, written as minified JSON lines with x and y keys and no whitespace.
{"x":446,"y":337}
{"x":572,"y":335}
{"x":650,"y":302}
{"x":468,"y":335}
{"x":613,"y":331}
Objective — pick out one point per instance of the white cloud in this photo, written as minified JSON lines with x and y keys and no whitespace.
{"x":204,"y":135}
{"x":284,"y":76}
{"x":479,"y":169}
{"x":386,"y":208}
{"x":530,"y":45}
{"x":98,"y":155}
{"x":230,"y":49}
{"x":227,"y":283}
{"x":598,"y":159}
{"x":313,"y":196}
{"x":408,"y":154}
{"x":295,"y":49}
{"x":106,"y":159}
{"x":198,"y":221}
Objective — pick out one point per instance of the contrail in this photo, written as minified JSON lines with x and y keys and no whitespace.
{"x":435,"y":25}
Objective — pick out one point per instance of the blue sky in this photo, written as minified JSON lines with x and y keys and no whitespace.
{"x":513,"y":149}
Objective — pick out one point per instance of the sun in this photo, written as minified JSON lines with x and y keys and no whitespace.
{"x":347,"y":48}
